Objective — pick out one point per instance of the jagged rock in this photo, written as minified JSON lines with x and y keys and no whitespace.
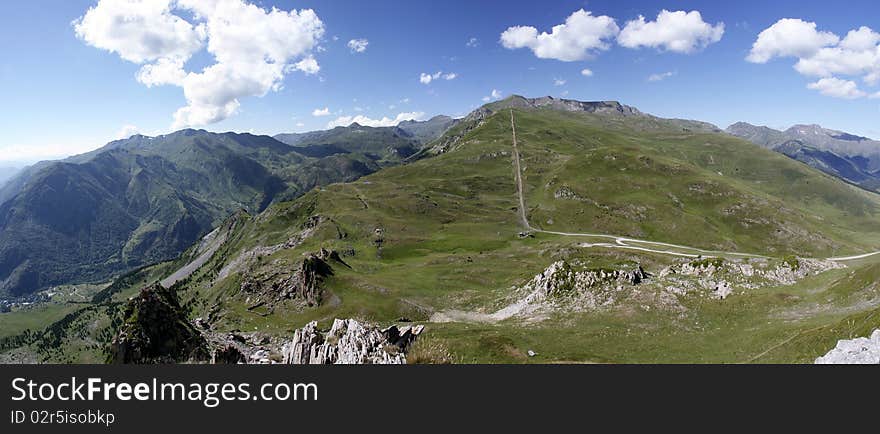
{"x":155,"y":329}
{"x":864,"y":351}
{"x":305,"y":283}
{"x":560,"y":278}
{"x":246,"y":260}
{"x":350,"y":342}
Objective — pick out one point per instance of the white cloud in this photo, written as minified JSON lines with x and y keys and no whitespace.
{"x":586,"y":72}
{"x":358,"y":45}
{"x":127,"y":131}
{"x":308,"y":65}
{"x":660,"y":76}
{"x":837,"y":88}
{"x":344,"y":121}
{"x":494,"y":95}
{"x":472,"y":43}
{"x":789,"y":38}
{"x":679,"y":31}
{"x":578,"y":38}
{"x":426,"y":78}
{"x":139,"y":31}
{"x":253,"y":48}
{"x":321,"y":112}
{"x":823,"y":55}
{"x":857,"y":54}
{"x":558,"y":82}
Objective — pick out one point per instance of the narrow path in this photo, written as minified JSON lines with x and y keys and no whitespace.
{"x":786,"y":341}
{"x":519,"y":183}
{"x":631,"y":243}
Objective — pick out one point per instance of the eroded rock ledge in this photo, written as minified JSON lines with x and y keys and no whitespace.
{"x":350,"y":342}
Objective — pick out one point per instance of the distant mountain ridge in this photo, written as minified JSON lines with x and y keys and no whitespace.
{"x":392,"y":143}
{"x":145,"y":199}
{"x":853,"y":158}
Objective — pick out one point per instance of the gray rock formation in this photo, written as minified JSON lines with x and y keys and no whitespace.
{"x":862,"y":351}
{"x":269,"y":286}
{"x":350,"y":342}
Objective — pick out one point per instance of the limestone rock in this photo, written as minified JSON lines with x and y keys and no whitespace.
{"x":863,"y":351}
{"x":350,"y":342}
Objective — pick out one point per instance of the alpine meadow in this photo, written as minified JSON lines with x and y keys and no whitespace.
{"x":340,"y":183}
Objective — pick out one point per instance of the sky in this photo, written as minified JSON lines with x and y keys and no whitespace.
{"x":75,"y":74}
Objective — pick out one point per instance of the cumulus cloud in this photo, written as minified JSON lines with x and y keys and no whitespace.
{"x":344,"y":121}
{"x":493,"y":96}
{"x":558,"y":82}
{"x":837,"y":88}
{"x":321,"y":112}
{"x":586,"y":72}
{"x":579,"y":38}
{"x":358,"y":45}
{"x":139,"y":31}
{"x":823,"y":55}
{"x":472,"y":43}
{"x":253,"y":48}
{"x":426,"y":78}
{"x":660,"y":76}
{"x":789,"y":37}
{"x":679,"y":31}
{"x":857,"y":54}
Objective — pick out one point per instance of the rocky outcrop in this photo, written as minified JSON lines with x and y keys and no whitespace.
{"x":721,"y":277}
{"x":247,"y":259}
{"x":562,"y":279}
{"x":350,"y":342}
{"x":155,"y":329}
{"x":305,"y":283}
{"x":562,"y":284}
{"x":863,"y":351}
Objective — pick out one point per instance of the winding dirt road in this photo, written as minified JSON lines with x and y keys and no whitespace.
{"x":626,"y":243}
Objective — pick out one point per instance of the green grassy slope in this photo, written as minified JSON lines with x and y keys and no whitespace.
{"x":450,"y":240}
{"x":142,"y":200}
{"x":449,"y":229}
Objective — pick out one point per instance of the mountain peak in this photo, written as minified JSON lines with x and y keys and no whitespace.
{"x":549,"y":102}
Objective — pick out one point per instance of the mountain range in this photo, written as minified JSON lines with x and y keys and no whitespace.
{"x":852,"y":158}
{"x":531,"y":230}
{"x":145,"y":199}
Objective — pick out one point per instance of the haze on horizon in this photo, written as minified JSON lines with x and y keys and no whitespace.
{"x":78,"y":76}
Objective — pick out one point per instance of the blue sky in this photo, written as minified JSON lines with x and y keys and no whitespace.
{"x":65,"y":95}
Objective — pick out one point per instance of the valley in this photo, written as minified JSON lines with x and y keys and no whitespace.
{"x":534,"y":231}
